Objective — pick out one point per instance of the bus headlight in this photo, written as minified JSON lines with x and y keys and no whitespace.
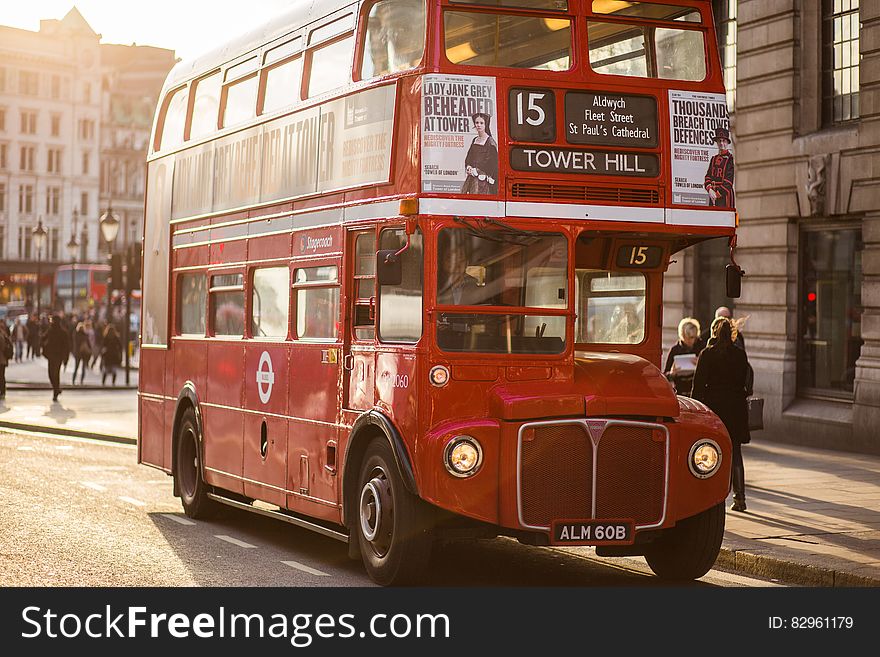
{"x":704,"y":458}
{"x":463,"y":456}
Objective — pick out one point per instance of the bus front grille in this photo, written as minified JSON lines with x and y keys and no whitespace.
{"x":619,"y":473}
{"x":585,"y":193}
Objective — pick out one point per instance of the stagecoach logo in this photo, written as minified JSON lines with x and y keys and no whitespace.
{"x":265,"y":377}
{"x":313,"y":244}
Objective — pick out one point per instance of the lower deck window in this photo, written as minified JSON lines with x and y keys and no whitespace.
{"x":610,"y":307}
{"x":317,"y":303}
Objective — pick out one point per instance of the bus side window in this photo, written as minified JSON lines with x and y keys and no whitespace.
{"x":270,"y":302}
{"x":240,"y":93}
{"x":364,"y":320}
{"x":329,"y":64}
{"x":317,"y":303}
{"x":395,"y":37}
{"x":205,"y":106}
{"x":192,"y":292}
{"x":174,"y":119}
{"x":227,"y":305}
{"x":281,"y":76}
{"x":400,"y":306}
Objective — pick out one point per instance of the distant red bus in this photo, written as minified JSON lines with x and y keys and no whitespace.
{"x":403,"y":276}
{"x":86,"y":284}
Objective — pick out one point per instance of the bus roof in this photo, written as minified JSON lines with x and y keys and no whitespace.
{"x":300,"y":13}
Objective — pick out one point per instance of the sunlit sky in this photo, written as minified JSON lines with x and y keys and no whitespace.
{"x":189,"y":27}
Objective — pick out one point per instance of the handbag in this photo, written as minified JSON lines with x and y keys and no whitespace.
{"x":756,"y":413}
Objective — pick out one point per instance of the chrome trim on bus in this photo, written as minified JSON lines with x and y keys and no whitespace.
{"x":456,"y":206}
{"x":711,"y":218}
{"x":278,"y":515}
{"x":285,"y":491}
{"x":589,"y":212}
{"x":595,"y":443}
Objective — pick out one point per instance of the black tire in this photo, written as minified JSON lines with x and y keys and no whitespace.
{"x":188,"y":470}
{"x":392,"y":525}
{"x":689,"y":550}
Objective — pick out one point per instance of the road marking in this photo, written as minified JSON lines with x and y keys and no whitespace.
{"x":234,"y":541}
{"x":93,"y":486}
{"x":101,"y":468}
{"x":305,"y":569}
{"x":25,"y":448}
{"x":63,"y":446}
{"x":177,"y":519}
{"x":131,"y":500}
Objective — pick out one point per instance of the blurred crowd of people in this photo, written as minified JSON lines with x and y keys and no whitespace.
{"x":86,"y":339}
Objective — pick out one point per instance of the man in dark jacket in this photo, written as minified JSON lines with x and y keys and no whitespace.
{"x":56,"y":349}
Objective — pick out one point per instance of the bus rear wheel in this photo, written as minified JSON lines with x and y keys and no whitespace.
{"x":188,"y":470}
{"x":392,"y":525}
{"x":689,"y":550}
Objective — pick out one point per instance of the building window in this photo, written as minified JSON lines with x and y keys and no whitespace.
{"x":4,"y":152}
{"x":725,"y":20}
{"x":2,"y":197}
{"x":3,"y":118}
{"x":840,"y":61}
{"x":54,"y":235}
{"x":27,"y":157}
{"x":85,"y":163}
{"x":2,"y":79}
{"x":56,"y":87}
{"x":84,"y":204}
{"x":56,"y":125}
{"x":28,"y":83}
{"x":28,"y":122}
{"x":53,"y":200}
{"x":86,"y":129}
{"x":830,"y":315}
{"x":87,"y":92}
{"x":53,"y":163}
{"x":26,"y":199}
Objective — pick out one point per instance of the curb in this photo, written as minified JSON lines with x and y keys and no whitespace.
{"x":790,"y":572}
{"x":72,"y":433}
{"x":24,"y":385}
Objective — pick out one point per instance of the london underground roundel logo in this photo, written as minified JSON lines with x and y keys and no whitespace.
{"x":265,"y":377}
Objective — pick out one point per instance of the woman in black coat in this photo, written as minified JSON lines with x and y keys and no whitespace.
{"x":111,"y":354}
{"x":720,"y":383}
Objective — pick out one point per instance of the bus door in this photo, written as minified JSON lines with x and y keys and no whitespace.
{"x":315,"y":377}
{"x":266,"y":374}
{"x":359,"y":342}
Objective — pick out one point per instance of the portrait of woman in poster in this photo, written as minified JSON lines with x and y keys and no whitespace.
{"x":481,"y":163}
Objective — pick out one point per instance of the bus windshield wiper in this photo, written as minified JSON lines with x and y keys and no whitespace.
{"x":502,"y":232}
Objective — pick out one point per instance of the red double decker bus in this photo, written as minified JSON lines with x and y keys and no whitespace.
{"x":85,"y":284}
{"x":403,"y":271}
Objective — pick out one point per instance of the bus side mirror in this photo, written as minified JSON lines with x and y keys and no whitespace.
{"x":389,"y":267}
{"x":734,"y":281}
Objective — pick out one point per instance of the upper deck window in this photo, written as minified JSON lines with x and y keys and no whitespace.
{"x":648,"y":10}
{"x":175,"y":119}
{"x":283,"y":79}
{"x":240,"y":93}
{"x":478,"y":39}
{"x":394,"y":38}
{"x":622,"y":49}
{"x":206,"y":106}
{"x":555,"y":5}
{"x":330,"y":66}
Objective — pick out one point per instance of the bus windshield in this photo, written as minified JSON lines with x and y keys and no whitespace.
{"x":504,"y":269}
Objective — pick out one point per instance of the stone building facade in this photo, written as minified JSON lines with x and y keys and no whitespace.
{"x":806,"y":83}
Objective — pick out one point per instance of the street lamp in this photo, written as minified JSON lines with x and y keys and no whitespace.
{"x":109,"y":230}
{"x":39,"y":234}
{"x":72,"y":251}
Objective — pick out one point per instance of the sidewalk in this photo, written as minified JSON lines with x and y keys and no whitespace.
{"x":813,"y":515}
{"x":33,"y":374}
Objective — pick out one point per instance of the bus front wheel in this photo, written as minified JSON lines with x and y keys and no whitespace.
{"x":392,"y":524}
{"x":689,"y":550}
{"x":188,"y":471}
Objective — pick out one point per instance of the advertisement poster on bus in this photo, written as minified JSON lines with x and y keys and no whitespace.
{"x":702,"y":149}
{"x":459,"y":128}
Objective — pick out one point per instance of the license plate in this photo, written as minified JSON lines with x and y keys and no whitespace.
{"x":592,"y":532}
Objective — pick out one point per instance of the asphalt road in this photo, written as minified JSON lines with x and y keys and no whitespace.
{"x":82,"y":513}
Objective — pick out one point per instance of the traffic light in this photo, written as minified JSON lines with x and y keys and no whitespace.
{"x":116,"y":272}
{"x":133,"y":268}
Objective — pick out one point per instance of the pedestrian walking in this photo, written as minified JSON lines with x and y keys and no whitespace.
{"x":33,"y":329}
{"x":682,"y":358}
{"x":20,"y":338}
{"x":82,"y":352}
{"x":6,"y":352}
{"x":111,"y":355}
{"x":720,"y":382}
{"x":56,"y":348}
